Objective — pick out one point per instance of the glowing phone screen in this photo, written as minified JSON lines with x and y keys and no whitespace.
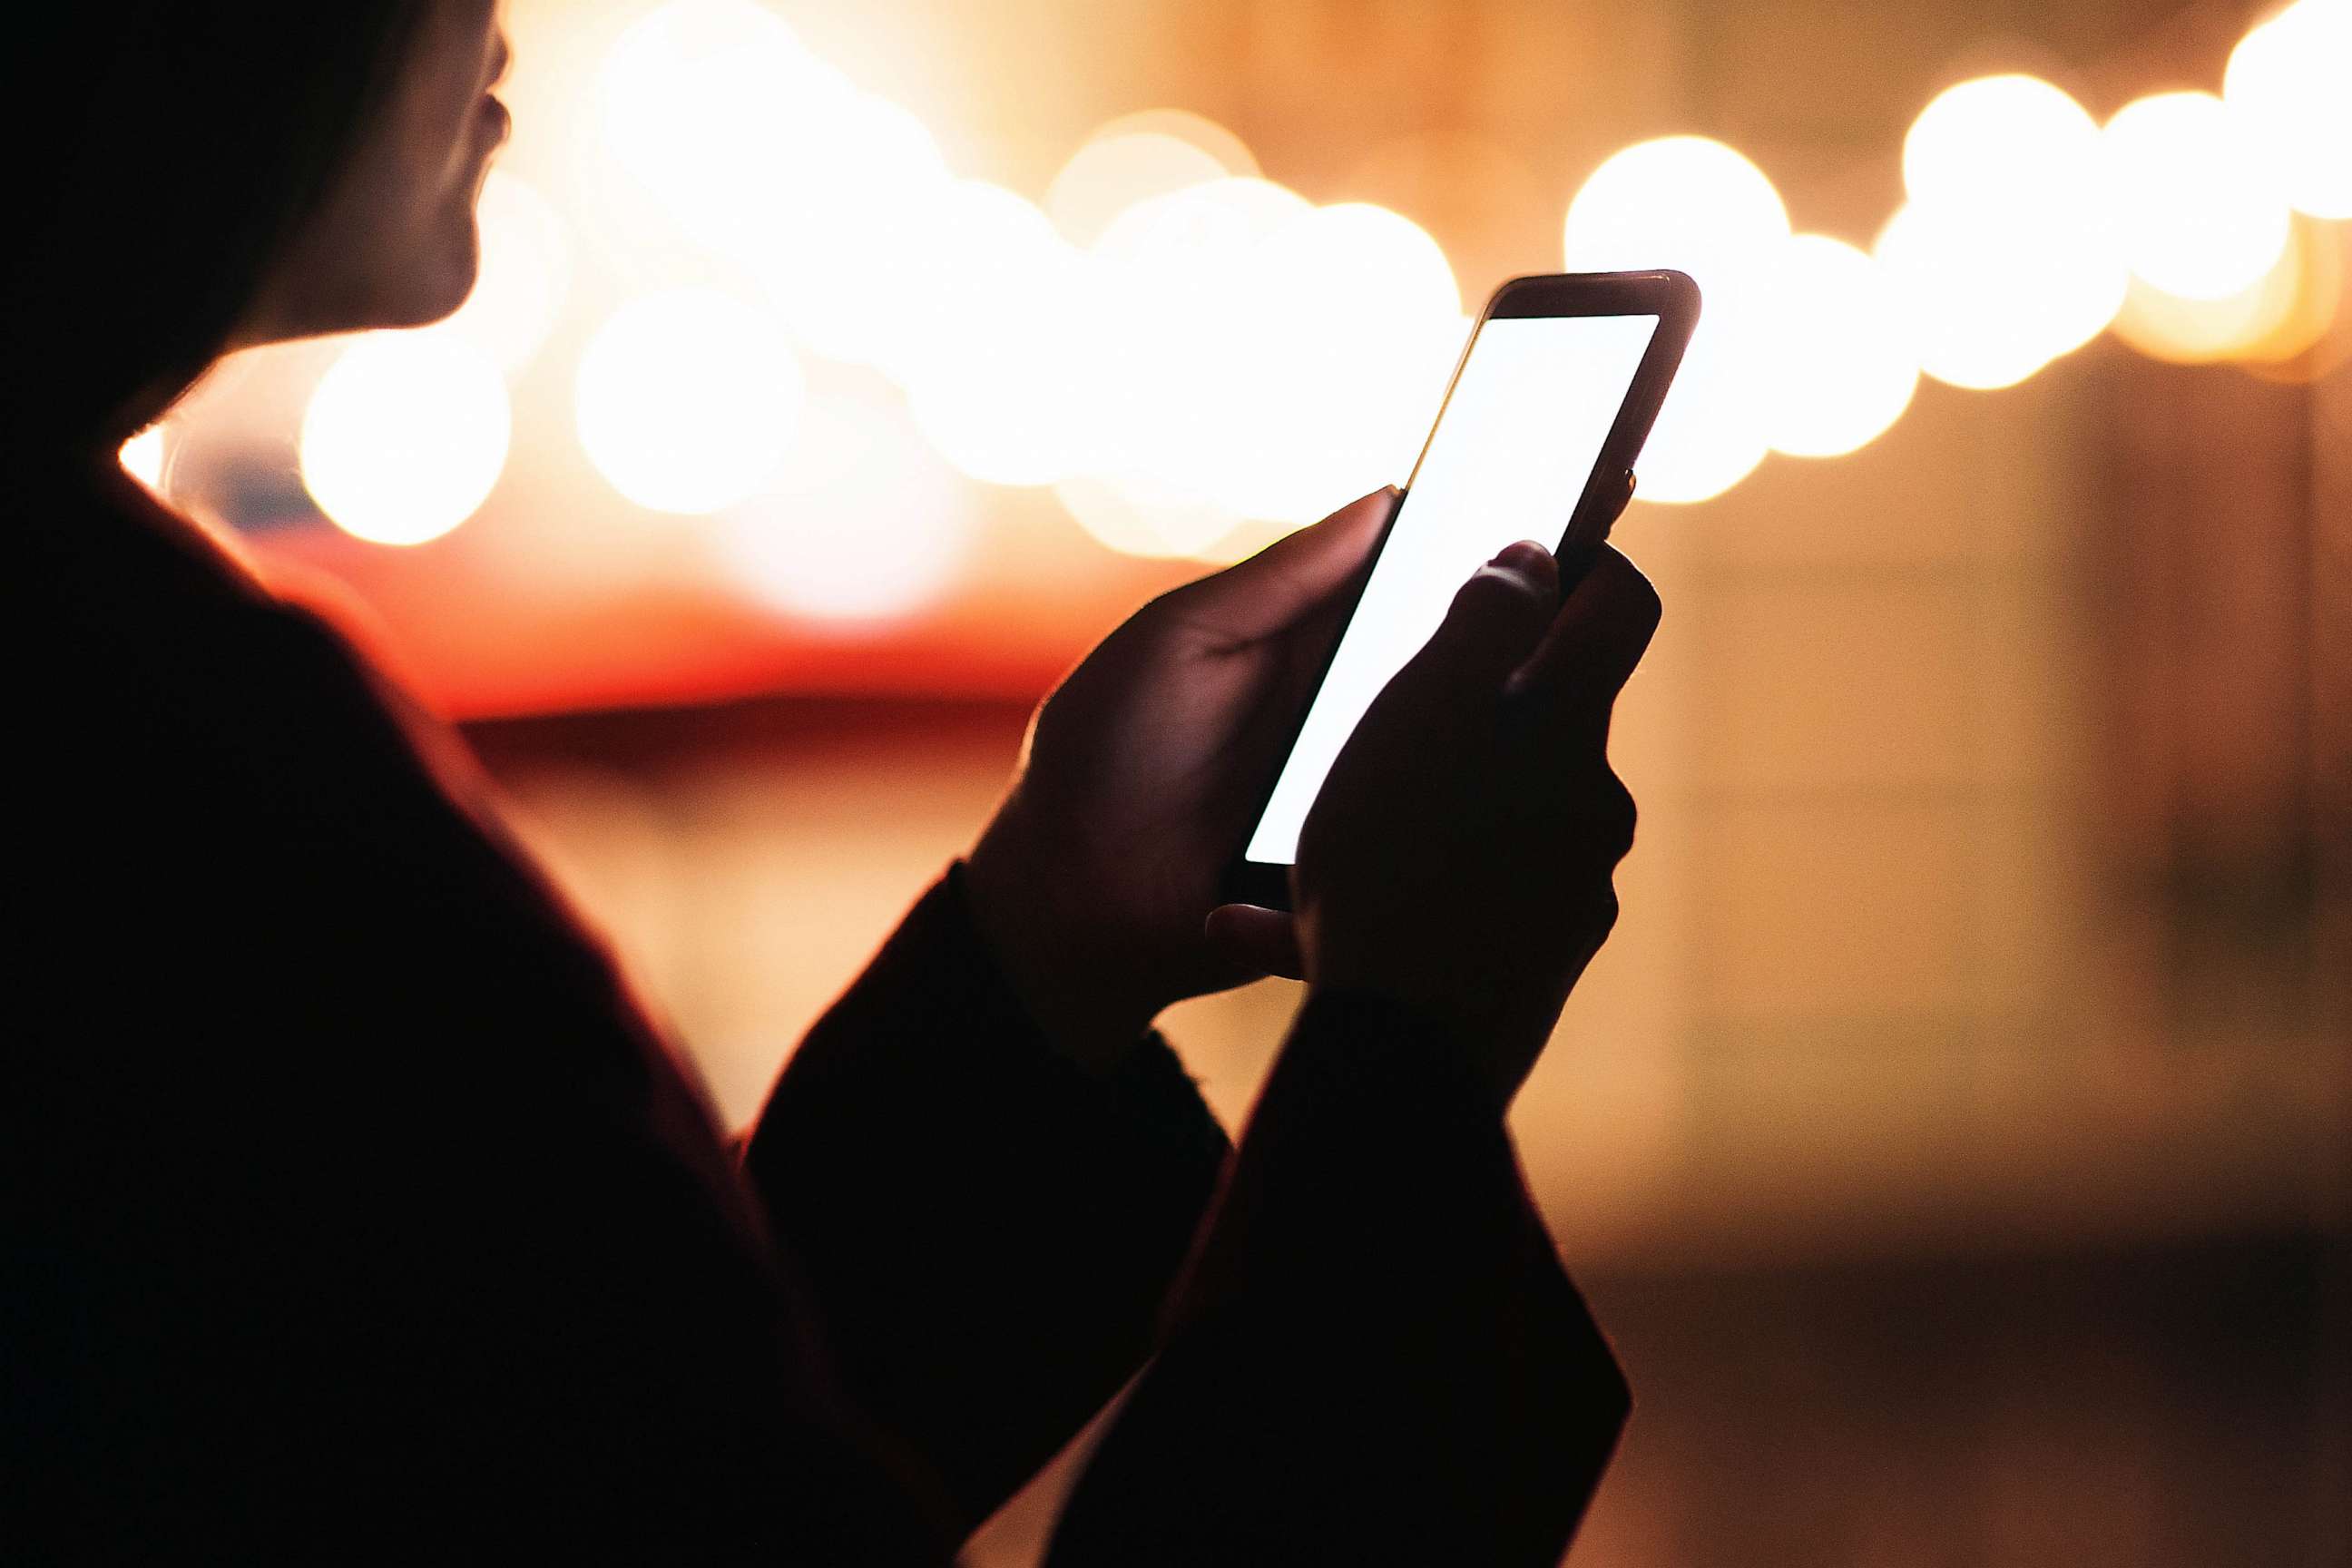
{"x":1509,"y":459}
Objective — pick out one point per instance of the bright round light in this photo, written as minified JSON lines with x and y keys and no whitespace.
{"x":1232,"y":153}
{"x":866,"y":523}
{"x":1692,"y":203}
{"x":2281,"y":317}
{"x":143,"y":456}
{"x":687,"y":400}
{"x":1176,"y":361}
{"x":1834,"y":331}
{"x":2002,"y":144}
{"x":1710,"y":434}
{"x":1127,"y":515}
{"x":405,"y":436}
{"x":2199,"y":214}
{"x":525,"y":268}
{"x":1685,"y":202}
{"x":1986,"y":305}
{"x":2290,"y":88}
{"x":1111,"y":174}
{"x":996,"y":375}
{"x":857,"y":209}
{"x":1354,"y":320}
{"x":717,"y":109}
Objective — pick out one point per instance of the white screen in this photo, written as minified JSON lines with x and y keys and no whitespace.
{"x":1508,"y":461}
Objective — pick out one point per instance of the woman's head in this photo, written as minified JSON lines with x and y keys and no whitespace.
{"x":223,"y":172}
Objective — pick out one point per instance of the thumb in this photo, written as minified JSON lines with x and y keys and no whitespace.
{"x":1497,"y":620}
{"x":1291,"y":578}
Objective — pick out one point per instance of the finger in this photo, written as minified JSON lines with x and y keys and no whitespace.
{"x":1497,"y":618}
{"x":1291,"y":578}
{"x":1604,"y":628}
{"x":1266,"y":940}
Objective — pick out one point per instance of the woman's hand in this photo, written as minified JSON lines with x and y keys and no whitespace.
{"x":1460,"y":854}
{"x":1094,"y":879}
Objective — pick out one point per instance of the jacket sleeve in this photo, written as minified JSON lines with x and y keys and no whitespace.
{"x":1376,"y":1356}
{"x":990,"y":1234}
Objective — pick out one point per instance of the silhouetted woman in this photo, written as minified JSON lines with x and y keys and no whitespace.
{"x":353,"y":1210}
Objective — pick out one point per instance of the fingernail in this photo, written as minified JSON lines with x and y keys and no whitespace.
{"x":1526,"y":555}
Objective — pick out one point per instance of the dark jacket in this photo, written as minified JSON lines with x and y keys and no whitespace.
{"x":354,"y":1209}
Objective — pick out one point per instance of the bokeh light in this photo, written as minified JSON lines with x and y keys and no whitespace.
{"x":2289,"y":86}
{"x":1176,"y":361}
{"x":2002,"y":144}
{"x":686,"y":400}
{"x":992,"y":358}
{"x":716,"y":108}
{"x":1126,"y":513}
{"x":2005,"y":255}
{"x":1695,"y":205}
{"x":2279,"y":317}
{"x":1360,"y":321}
{"x":2199,"y":212}
{"x":1232,"y":153}
{"x":405,"y":435}
{"x":1987,"y":305}
{"x":1685,"y":202}
{"x":525,"y":270}
{"x":866,"y":524}
{"x":1111,"y":174}
{"x":856,"y":208}
{"x":1841,"y":347}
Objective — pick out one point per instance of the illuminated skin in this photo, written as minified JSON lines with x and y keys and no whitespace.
{"x":393,"y":243}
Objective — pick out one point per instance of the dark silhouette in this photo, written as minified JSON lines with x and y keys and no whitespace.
{"x":354,"y":1210}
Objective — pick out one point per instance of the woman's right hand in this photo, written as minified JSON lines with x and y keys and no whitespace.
{"x":1459,"y":857}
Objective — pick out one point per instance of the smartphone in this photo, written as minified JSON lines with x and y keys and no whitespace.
{"x":1548,"y":409}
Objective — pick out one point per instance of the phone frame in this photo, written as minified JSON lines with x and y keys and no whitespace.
{"x":1674,"y":298}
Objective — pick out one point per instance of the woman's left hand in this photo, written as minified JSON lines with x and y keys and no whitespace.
{"x":1095,"y":881}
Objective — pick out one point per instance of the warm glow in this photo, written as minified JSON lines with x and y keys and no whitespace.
{"x":1111,"y":174}
{"x":716,"y":108}
{"x":1232,"y":153}
{"x":687,"y":400}
{"x":405,"y":436}
{"x":1692,"y":203}
{"x":525,"y":268}
{"x":1986,"y":306}
{"x":1177,"y":363}
{"x":2283,"y":314}
{"x":143,"y":458}
{"x":2199,"y":212}
{"x":1685,"y":202}
{"x":1126,"y":515}
{"x":2290,"y":90}
{"x":2005,"y":255}
{"x":769,"y":157}
{"x":1840,"y":349}
{"x":856,"y":209}
{"x":1711,"y":433}
{"x":2003,"y":144}
{"x":1357,"y":320}
{"x":865,"y":522}
{"x":993,"y":372}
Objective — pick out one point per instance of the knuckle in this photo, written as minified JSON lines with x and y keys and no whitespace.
{"x":1632,"y":588}
{"x":1615,"y":816}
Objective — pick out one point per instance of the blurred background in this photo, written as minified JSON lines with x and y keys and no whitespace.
{"x":1957,"y":1135}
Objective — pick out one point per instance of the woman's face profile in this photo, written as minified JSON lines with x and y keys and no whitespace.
{"x":393,"y":242}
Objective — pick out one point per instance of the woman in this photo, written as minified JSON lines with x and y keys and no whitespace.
{"x":355,"y":1210}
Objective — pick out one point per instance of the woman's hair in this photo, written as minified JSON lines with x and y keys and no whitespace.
{"x":166,"y":152}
